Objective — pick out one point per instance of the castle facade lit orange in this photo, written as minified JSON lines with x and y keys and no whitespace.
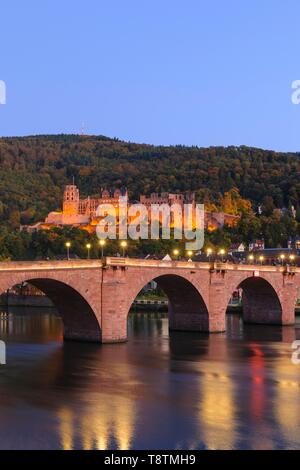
{"x":82,"y":213}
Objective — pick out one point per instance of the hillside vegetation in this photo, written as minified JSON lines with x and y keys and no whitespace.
{"x":33,"y":171}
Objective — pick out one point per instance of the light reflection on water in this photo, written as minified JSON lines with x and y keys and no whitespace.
{"x":186,"y":391}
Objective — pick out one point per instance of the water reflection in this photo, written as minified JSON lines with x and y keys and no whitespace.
{"x":102,"y":426}
{"x":185,"y":391}
{"x":217,"y":420}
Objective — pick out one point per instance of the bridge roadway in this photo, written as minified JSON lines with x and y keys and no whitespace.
{"x":94,"y":297}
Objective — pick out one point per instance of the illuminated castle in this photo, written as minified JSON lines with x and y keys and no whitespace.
{"x":83,"y":212}
{"x":76,"y":211}
{"x":212,"y":220}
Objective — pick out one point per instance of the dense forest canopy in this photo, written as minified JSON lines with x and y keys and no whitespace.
{"x":34,"y":170}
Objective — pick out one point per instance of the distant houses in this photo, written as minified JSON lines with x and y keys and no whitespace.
{"x":237,"y":247}
{"x":258,"y":244}
{"x":294,"y":243}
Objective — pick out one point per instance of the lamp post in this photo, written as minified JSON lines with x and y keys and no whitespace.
{"x":222,"y":253}
{"x":68,"y":245}
{"x":176,"y":253}
{"x":282,"y":258}
{"x":209,"y":253}
{"x":251,"y":258}
{"x":123,"y":246}
{"x":88,"y":247}
{"x":190,"y":254}
{"x":261,"y":259}
{"x":102,"y":243}
{"x":292,"y":258}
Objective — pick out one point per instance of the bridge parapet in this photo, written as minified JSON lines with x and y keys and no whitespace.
{"x":46,"y":265}
{"x":290,"y":270}
{"x":145,"y":263}
{"x":138,"y":262}
{"x":184,"y":264}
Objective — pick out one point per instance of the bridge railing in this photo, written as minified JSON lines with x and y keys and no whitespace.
{"x":213,"y":266}
{"x":49,"y":265}
{"x":134,"y":262}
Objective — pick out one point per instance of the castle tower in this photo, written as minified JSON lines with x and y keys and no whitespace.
{"x":71,"y":200}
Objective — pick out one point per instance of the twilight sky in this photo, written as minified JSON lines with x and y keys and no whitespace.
{"x":188,"y":72}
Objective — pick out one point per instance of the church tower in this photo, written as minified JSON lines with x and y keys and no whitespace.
{"x":71,"y":200}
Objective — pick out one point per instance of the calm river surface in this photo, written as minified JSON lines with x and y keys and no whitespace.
{"x":237,"y":390}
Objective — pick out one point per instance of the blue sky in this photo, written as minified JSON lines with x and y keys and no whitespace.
{"x":164,"y":72}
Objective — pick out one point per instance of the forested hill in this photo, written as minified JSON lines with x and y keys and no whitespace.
{"x":34,"y":170}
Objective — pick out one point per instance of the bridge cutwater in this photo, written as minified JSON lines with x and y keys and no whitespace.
{"x":94,"y":297}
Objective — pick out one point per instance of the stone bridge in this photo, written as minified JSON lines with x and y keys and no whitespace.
{"x":94,"y":297}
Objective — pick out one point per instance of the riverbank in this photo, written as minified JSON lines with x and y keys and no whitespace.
{"x":12,"y":300}
{"x":150,"y":305}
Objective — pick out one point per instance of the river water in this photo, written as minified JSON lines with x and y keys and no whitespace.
{"x":237,"y":390}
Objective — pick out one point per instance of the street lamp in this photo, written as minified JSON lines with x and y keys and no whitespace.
{"x":292,"y":258}
{"x":176,"y":253}
{"x":282,"y":257}
{"x":251,"y":258}
{"x":124,"y":246}
{"x":190,"y":254}
{"x":261,"y":258}
{"x":222,"y":253}
{"x":88,"y":247}
{"x":68,"y":245}
{"x":209,"y":253}
{"x":102,"y":243}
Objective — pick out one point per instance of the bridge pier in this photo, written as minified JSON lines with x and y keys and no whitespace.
{"x":288,"y":295}
{"x":217,"y":295}
{"x":114,"y":307}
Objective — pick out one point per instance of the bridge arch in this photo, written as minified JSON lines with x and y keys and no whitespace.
{"x":78,"y":317}
{"x":261,"y":302}
{"x":186,"y":305}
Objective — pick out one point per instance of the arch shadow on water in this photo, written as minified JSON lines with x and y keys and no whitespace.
{"x":79,"y":320}
{"x":260,"y":302}
{"x":187,"y":310}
